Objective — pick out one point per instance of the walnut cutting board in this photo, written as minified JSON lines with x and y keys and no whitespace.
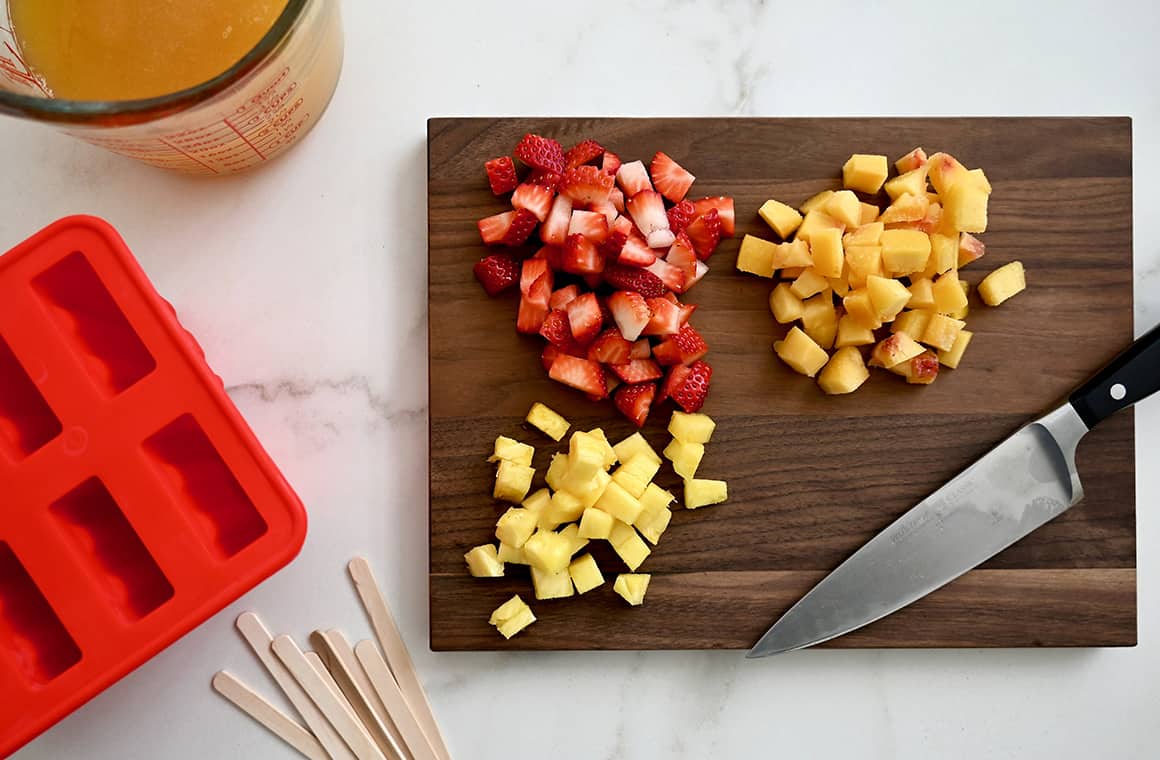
{"x":811,"y":478}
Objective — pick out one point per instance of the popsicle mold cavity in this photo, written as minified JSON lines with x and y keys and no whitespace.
{"x":32,"y":637}
{"x":26,"y":421}
{"x":86,"y":313}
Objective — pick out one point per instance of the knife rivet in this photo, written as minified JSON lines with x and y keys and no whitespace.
{"x":1118,"y":391}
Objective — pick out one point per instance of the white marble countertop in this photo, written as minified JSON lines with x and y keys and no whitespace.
{"x":305,"y":282}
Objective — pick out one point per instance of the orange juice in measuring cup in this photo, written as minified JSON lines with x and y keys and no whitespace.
{"x":204,"y":87}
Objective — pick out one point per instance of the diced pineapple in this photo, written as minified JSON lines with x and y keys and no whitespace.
{"x":619,"y":503}
{"x":548,"y":550}
{"x":656,"y":497}
{"x":585,"y":459}
{"x":595,"y":523}
{"x":1003,"y":283}
{"x":510,"y":555}
{"x":907,"y":208}
{"x":515,"y":526}
{"x":865,"y":173}
{"x":633,"y":445}
{"x":643,"y":467}
{"x":801,"y":353}
{"x":793,"y":254}
{"x":595,"y":490}
{"x":792,"y":273}
{"x":557,"y":469}
{"x":628,"y":545}
{"x":869,"y":213}
{"x":955,"y":355}
{"x":704,"y":493}
{"x":572,"y":533}
{"x":965,"y":207}
{"x":585,"y":573}
{"x":845,"y":372}
{"x":512,"y":616}
{"x":863,"y":261}
{"x":912,"y":182}
{"x":815,"y":201}
{"x":921,"y":295}
{"x":970,"y":249}
{"x":826,"y":246}
{"x":512,"y":481}
{"x":785,"y":304}
{"x":484,"y":562}
{"x":551,"y":423}
{"x":538,"y":500}
{"x":630,"y":481}
{"x":845,"y":207}
{"x":691,"y":428}
{"x":552,"y":585}
{"x":841,"y":285}
{"x":816,"y":220}
{"x":652,"y":523}
{"x":756,"y":256}
{"x":904,"y":251}
{"x":686,"y":457}
{"x":810,"y":283}
{"x":949,"y":297}
{"x":887,"y":296}
{"x":865,"y":234}
{"x":852,"y":333}
{"x":895,"y":350}
{"x":610,"y":457}
{"x":860,"y":309}
{"x":632,"y":587}
{"x":942,"y":331}
{"x":511,"y":450}
{"x":781,"y":218}
{"x":563,"y":508}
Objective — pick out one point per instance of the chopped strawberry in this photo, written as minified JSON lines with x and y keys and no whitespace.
{"x":680,"y":215}
{"x":705,"y":233}
{"x":531,"y":271}
{"x":671,"y":298}
{"x":548,"y":356}
{"x":635,"y":251}
{"x":690,"y":394}
{"x":630,"y":311}
{"x":534,"y":305}
{"x":581,"y":374}
{"x":638,"y":371}
{"x":611,"y":383}
{"x":585,"y":318}
{"x":553,"y":254}
{"x":582,"y":153}
{"x":541,"y":153}
{"x":562,"y":297}
{"x":607,"y":209}
{"x":555,"y":227}
{"x":591,"y":224}
{"x":556,"y":329}
{"x":634,"y":401}
{"x":670,"y":178}
{"x":647,"y":209}
{"x":581,"y":256}
{"x":614,"y":243}
{"x":631,"y":278}
{"x":670,"y":275}
{"x":686,"y":347}
{"x":501,"y":175}
{"x":610,"y":347}
{"x":521,"y":227}
{"x":676,"y":377}
{"x":534,"y":198}
{"x":666,"y":317}
{"x":640,"y":349}
{"x":586,"y":184}
{"x":610,"y":164}
{"x":683,"y":257}
{"x":497,"y":272}
{"x":633,"y":178}
{"x":687,"y":310}
{"x":550,"y":180}
{"x":724,"y":208}
{"x":702,"y":270}
{"x":493,"y":228}
{"x":593,"y":280}
{"x":616,"y":198}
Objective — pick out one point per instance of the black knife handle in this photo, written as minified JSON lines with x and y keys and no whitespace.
{"x":1132,"y":376}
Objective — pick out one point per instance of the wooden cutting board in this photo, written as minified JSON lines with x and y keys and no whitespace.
{"x":811,"y":478}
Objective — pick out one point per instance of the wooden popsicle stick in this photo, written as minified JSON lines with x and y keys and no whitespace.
{"x":399,"y":661}
{"x":267,"y":715}
{"x":330,"y":702}
{"x":324,"y":673}
{"x":394,"y":700}
{"x":260,"y":640}
{"x":340,"y":659}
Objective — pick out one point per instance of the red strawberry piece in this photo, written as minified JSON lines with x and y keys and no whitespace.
{"x":666,"y":317}
{"x":534,"y":198}
{"x":548,"y":356}
{"x":687,"y":310}
{"x":555,"y":227}
{"x":585,"y":318}
{"x":690,"y":394}
{"x":607,"y":209}
{"x":492,"y":229}
{"x":630,"y":312}
{"x":582,"y":153}
{"x":633,"y":178}
{"x":556,"y":329}
{"x":553,"y":254}
{"x":676,"y":377}
{"x":705,"y":233}
{"x":550,"y":180}
{"x":592,"y":280}
{"x":581,"y":374}
{"x":640,"y":349}
{"x":610,"y":347}
{"x":702,"y":270}
{"x":591,"y":224}
{"x":634,"y":401}
{"x":534,"y":306}
{"x":501,"y":175}
{"x":581,"y":256}
{"x":521,"y":227}
{"x":616,"y":198}
{"x":724,"y":208}
{"x":683,"y":257}
{"x":604,"y":310}
{"x":531,"y":271}
{"x":680,"y":215}
{"x":497,"y":272}
{"x":672,"y":298}
{"x":635,"y":251}
{"x":541,"y":153}
{"x":611,"y":383}
{"x":671,"y":276}
{"x":614,"y":243}
{"x":631,"y":278}
{"x":586,"y":184}
{"x":563,"y":296}
{"x":638,"y":371}
{"x":647,"y":209}
{"x":670,"y":178}
{"x":610,"y":164}
{"x":686,"y":347}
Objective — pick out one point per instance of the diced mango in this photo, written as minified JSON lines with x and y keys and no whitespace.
{"x":895,"y":350}
{"x":845,"y":207}
{"x":686,"y":457}
{"x":942,"y":331}
{"x":921,"y":294}
{"x":781,"y":218}
{"x":551,"y":585}
{"x":633,"y":445}
{"x":815,"y":201}
{"x":628,"y":545}
{"x":904,"y":251}
{"x":810,"y":283}
{"x":844,"y":373}
{"x":913,"y":323}
{"x":792,"y":254}
{"x":756,"y":256}
{"x":816,"y":220}
{"x":1003,"y":283}
{"x":912,"y":182}
{"x":619,"y":503}
{"x":691,"y":428}
{"x":512,"y":482}
{"x":632,"y":587}
{"x":860,"y":308}
{"x":515,"y":526}
{"x":512,"y":616}
{"x":585,"y":573}
{"x":865,"y":173}
{"x":785,"y":304}
{"x":852,"y":333}
{"x":548,"y":550}
{"x":511,"y":450}
{"x":949,"y":297}
{"x":703,"y":493}
{"x":801,"y":353}
{"x":483,"y":562}
{"x":820,"y":319}
{"x":826,"y":247}
{"x":955,"y":355}
{"x":551,"y":423}
{"x":887,"y":296}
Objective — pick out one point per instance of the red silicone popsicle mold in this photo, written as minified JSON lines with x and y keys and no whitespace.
{"x":135,"y":502}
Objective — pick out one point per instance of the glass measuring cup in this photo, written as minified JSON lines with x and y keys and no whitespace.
{"x":240,"y":119}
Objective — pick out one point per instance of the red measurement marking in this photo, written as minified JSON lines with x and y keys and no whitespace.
{"x":246,"y":141}
{"x":27,"y":70}
{"x":187,"y":155}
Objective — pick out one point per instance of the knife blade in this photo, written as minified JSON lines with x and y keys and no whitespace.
{"x":1024,"y":482}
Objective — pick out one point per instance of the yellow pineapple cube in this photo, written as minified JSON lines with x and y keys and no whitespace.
{"x":921,"y":294}
{"x":512,"y":481}
{"x":619,"y":503}
{"x":595,"y":490}
{"x":572,"y":533}
{"x":628,"y":545}
{"x":913,"y":323}
{"x":781,"y":218}
{"x":904,"y":251}
{"x":911,"y":161}
{"x":793,"y":254}
{"x":585,"y":459}
{"x":512,"y":616}
{"x":595,"y":523}
{"x":656,"y":497}
{"x":826,"y":246}
{"x":1003,"y":283}
{"x":907,"y":208}
{"x":704,"y":493}
{"x":980,"y":179}
{"x":816,"y":220}
{"x":642,"y":467}
{"x":792,"y":273}
{"x":863,"y":261}
{"x":633,"y":445}
{"x":515,"y":526}
{"x":557,"y":469}
{"x":585,"y":573}
{"x":548,"y":550}
{"x":756,"y":256}
{"x":820,"y":319}
{"x":785,"y":304}
{"x":801,"y":353}
{"x":955,"y":355}
{"x":844,"y":373}
{"x":815,"y":201}
{"x":942,"y":331}
{"x":686,"y":457}
{"x":551,"y":585}
{"x":944,"y":172}
{"x":852,"y":333}
{"x":912,"y":182}
{"x":563,"y":508}
{"x":809,"y":283}
{"x":949,"y":296}
{"x":841,"y":285}
{"x":944,"y":254}
{"x":845,"y":207}
{"x":510,"y":450}
{"x":865,"y":173}
{"x":860,"y":309}
{"x":538,"y":500}
{"x":965,"y":207}
{"x":632,"y":587}
{"x":551,"y":423}
{"x":510,"y":555}
{"x":887,"y":296}
{"x":869,"y":213}
{"x":652,"y":523}
{"x":610,"y":457}
{"x":895,"y":350}
{"x":483,"y":562}
{"x":691,"y":428}
{"x":865,"y":234}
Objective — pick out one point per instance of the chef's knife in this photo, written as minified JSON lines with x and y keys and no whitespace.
{"x":1022,"y":483}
